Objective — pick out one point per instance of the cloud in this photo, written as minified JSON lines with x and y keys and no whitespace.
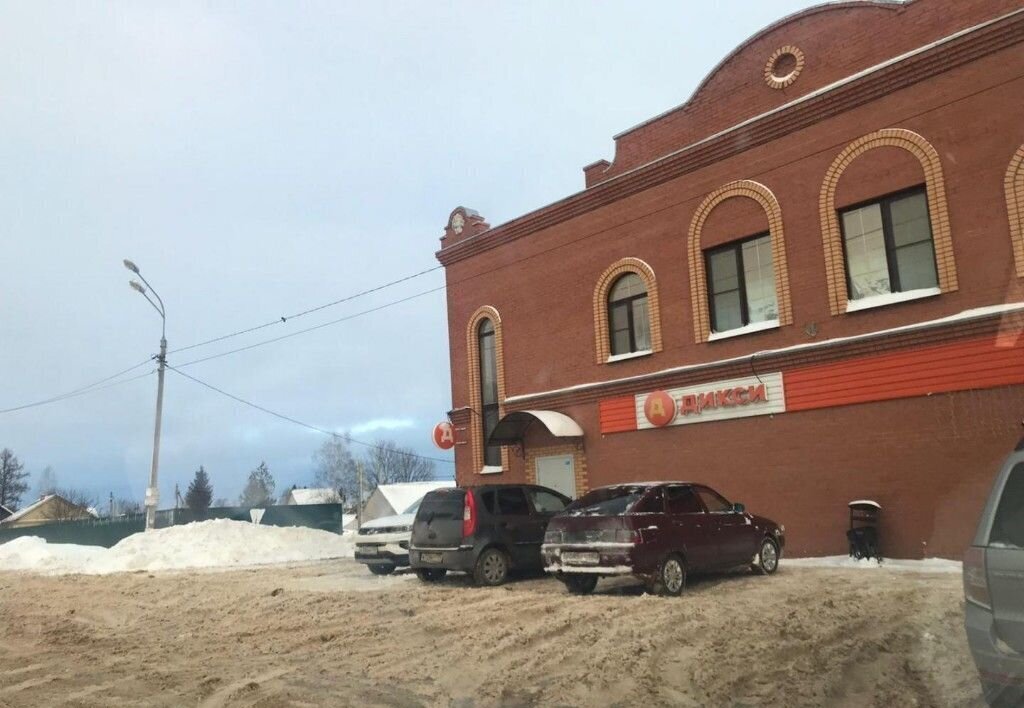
{"x":376,"y":424}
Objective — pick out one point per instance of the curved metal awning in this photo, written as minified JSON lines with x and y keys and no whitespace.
{"x":511,"y":429}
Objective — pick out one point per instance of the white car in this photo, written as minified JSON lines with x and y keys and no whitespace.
{"x":383,"y":544}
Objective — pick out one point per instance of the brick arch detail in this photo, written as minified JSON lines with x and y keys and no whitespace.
{"x":831,"y":236}
{"x":485,"y":312}
{"x":604,"y":285}
{"x":698,"y":273}
{"x":1014,"y":185}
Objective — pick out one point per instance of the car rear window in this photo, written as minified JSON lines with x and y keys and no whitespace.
{"x":443,"y":506}
{"x":1008,"y":526}
{"x":608,"y":501}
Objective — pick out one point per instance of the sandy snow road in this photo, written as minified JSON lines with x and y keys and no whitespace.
{"x":330,"y":634}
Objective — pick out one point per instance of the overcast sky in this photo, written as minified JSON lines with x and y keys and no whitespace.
{"x":258,"y":159}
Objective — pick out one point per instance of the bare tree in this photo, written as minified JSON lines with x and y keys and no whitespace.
{"x":12,"y":479}
{"x":47,"y":482}
{"x":70,"y":505}
{"x":335,"y":468}
{"x":127,"y":506}
{"x":387,"y":463}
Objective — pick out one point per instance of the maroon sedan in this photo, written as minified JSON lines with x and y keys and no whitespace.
{"x":658,"y":532}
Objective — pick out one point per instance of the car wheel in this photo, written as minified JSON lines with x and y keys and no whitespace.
{"x":580,"y":584}
{"x":491,"y":567}
{"x":431,"y":575}
{"x":672,"y":576}
{"x":767,"y":557}
{"x":378,"y":569}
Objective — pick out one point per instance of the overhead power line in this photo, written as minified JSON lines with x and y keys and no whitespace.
{"x":318,"y":308}
{"x":82,"y":390}
{"x":295,"y":421}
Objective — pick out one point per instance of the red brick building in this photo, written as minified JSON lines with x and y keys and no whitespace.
{"x":803,"y":286}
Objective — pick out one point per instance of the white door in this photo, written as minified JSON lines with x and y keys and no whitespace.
{"x":556,"y":472}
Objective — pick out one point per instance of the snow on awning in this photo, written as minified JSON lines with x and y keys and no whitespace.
{"x":865,"y":502}
{"x":511,"y":429}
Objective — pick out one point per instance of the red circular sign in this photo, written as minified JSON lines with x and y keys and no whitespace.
{"x":444,"y":435}
{"x":660,"y":408}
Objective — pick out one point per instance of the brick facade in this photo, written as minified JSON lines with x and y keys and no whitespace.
{"x":924,"y":103}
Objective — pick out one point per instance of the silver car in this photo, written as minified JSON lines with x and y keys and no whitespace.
{"x":994,"y":588}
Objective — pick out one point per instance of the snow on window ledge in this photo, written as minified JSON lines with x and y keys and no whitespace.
{"x":631,"y":355}
{"x":871,"y":301}
{"x":492,"y":469}
{"x":745,"y":329}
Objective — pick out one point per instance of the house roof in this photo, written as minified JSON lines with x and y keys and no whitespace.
{"x":43,"y":500}
{"x":4,"y":512}
{"x":404,"y":494}
{"x":31,"y":507}
{"x":323,"y":495}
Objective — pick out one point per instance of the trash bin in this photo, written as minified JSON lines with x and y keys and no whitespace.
{"x":863,"y":533}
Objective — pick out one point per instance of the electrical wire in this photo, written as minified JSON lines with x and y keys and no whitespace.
{"x":318,"y":308}
{"x":295,"y":421}
{"x":92,"y":388}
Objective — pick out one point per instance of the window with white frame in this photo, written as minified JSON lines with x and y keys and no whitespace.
{"x":888,"y":245}
{"x":741,"y":284}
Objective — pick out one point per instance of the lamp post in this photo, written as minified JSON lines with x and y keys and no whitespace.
{"x":153,"y":492}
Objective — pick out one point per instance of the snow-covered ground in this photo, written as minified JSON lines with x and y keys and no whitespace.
{"x":207,"y":544}
{"x":928,"y":565}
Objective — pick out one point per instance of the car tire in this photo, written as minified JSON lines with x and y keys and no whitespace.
{"x":579,"y":584}
{"x":767,"y":557}
{"x":431,"y":575}
{"x":672,"y":576}
{"x":491,"y":568}
{"x":379,"y":569}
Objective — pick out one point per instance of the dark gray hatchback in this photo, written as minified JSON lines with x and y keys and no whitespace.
{"x":485,"y":531}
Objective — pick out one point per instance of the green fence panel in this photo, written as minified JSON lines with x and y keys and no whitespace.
{"x":108,"y":532}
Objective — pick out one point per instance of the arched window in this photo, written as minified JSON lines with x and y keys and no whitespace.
{"x":489,"y":402}
{"x":629,"y":327}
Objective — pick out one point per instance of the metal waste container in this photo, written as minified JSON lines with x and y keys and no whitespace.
{"x":863,"y":533}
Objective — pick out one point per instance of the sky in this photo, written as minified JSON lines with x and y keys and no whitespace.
{"x":259,"y":159}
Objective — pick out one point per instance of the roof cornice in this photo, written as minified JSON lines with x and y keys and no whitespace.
{"x":856,"y":90}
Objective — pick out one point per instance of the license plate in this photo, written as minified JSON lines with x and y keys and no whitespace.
{"x":431,"y":557}
{"x":580,"y":558}
{"x":369,"y":550}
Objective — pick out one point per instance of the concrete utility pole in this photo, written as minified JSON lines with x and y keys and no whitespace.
{"x":153,"y":492}
{"x":359,"y":503}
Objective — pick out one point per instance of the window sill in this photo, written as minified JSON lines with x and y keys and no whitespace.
{"x":492,"y":469}
{"x":632,"y":355}
{"x":746,"y":329}
{"x":872,"y":301}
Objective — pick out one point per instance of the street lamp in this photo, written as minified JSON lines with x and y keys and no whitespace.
{"x":152,"y":492}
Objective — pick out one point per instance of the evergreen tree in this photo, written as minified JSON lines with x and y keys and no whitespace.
{"x":259,"y":490}
{"x":12,"y":479}
{"x":200,"y":491}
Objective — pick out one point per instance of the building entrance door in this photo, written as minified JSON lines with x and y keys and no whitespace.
{"x":557,"y":472}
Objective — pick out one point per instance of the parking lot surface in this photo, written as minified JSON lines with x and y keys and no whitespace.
{"x":331,"y":634}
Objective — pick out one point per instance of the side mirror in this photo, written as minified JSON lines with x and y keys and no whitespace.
{"x":738,"y":508}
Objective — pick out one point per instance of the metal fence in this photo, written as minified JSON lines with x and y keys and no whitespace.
{"x":108,"y":532}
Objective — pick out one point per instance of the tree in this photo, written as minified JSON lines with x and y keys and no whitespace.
{"x":387,"y":463}
{"x":75,"y":505}
{"x":200,"y":491}
{"x":127,"y":506}
{"x":259,"y":490}
{"x":12,"y":479}
{"x":47,"y":481}
{"x":336,"y":468}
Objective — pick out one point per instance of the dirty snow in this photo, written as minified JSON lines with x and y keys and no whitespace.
{"x":208,"y":544}
{"x":928,"y":565}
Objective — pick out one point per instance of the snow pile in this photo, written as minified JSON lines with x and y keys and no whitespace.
{"x":928,"y":565}
{"x":208,"y":544}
